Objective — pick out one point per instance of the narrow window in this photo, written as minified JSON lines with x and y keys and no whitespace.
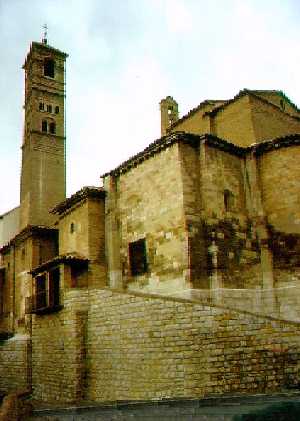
{"x":57,"y":109}
{"x":49,"y":67}
{"x":72,"y":227}
{"x":137,"y":257}
{"x":44,"y":126}
{"x":52,"y":128}
{"x":41,"y":106}
{"x":228,"y":200}
{"x":2,"y":278}
{"x":54,"y":287}
{"x":49,"y":108}
{"x":41,"y":292}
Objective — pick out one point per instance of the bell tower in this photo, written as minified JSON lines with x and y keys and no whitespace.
{"x":43,"y":182}
{"x":168,"y":113}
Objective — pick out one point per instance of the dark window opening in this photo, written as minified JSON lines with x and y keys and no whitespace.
{"x":41,"y":106}
{"x":137,"y":257}
{"x":41,"y":292}
{"x":49,"y":108}
{"x":52,"y":128}
{"x":57,"y":109}
{"x":47,"y":297}
{"x":49,"y":67}
{"x":72,"y":227}
{"x":228,"y":200}
{"x":2,"y":278}
{"x":54,"y":287}
{"x":44,"y":126}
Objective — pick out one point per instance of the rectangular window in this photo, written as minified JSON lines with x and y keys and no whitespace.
{"x":137,"y":257}
{"x":41,"y":106}
{"x":47,"y":290}
{"x":41,"y":291}
{"x":49,"y":108}
{"x":44,"y":126}
{"x":49,"y":67}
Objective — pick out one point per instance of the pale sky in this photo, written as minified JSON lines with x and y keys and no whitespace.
{"x":125,"y":56}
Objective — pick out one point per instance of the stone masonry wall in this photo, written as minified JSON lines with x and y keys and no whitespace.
{"x":280,"y":168}
{"x":58,"y":351}
{"x":15,"y":363}
{"x":150,"y":206}
{"x":269,"y":122}
{"x":151,"y":348}
{"x":207,"y":173}
{"x":106,"y":346}
{"x":234,"y":123}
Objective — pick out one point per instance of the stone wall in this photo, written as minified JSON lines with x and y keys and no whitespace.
{"x":151,"y":348}
{"x":280,"y":168}
{"x":149,"y":206}
{"x":106,"y":346}
{"x":282,"y":302}
{"x":15,"y":363}
{"x":58,"y":351}
{"x":270,"y":122}
{"x":234,"y":123}
{"x":207,"y":173}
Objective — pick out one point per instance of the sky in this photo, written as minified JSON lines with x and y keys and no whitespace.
{"x":125,"y":56}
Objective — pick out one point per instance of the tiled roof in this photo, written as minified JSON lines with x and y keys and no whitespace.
{"x":254,"y":93}
{"x":170,"y":139}
{"x":211,"y":140}
{"x":69,"y":258}
{"x":27,"y":232}
{"x":193,"y":111}
{"x":77,"y":197}
{"x":277,"y":143}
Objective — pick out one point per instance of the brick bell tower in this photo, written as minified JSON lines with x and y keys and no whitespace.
{"x":43,"y":181}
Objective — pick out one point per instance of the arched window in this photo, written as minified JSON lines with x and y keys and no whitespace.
{"x":49,"y":67}
{"x":44,"y":126}
{"x":52,"y":128}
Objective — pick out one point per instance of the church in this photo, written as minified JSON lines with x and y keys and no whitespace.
{"x":146,"y":287}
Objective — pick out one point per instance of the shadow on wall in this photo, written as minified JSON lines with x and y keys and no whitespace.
{"x":286,"y":411}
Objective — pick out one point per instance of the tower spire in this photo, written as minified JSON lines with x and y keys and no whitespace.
{"x":45,"y":34}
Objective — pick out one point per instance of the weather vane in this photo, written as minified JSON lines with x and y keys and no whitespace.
{"x":44,"y":39}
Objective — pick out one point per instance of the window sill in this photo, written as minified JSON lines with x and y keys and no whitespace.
{"x":47,"y":310}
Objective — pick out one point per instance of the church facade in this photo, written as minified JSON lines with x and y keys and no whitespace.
{"x":206,"y":217}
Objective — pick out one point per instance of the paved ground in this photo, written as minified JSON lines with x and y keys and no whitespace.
{"x":280,"y":407}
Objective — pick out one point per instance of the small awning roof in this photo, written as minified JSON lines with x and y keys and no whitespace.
{"x":70,"y":259}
